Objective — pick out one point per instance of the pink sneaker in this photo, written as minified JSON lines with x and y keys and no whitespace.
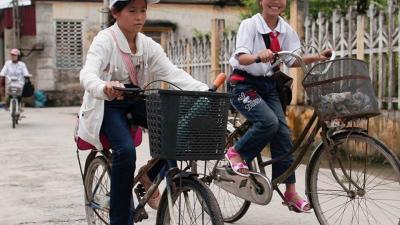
{"x":299,"y":206}
{"x":236,"y":167}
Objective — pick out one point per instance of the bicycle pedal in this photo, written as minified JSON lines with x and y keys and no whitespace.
{"x":139,"y":190}
{"x":140,"y":215}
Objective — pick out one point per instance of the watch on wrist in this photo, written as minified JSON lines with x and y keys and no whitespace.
{"x":258,"y":59}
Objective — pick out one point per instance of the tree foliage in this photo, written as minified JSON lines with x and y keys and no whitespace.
{"x":328,"y":6}
{"x":252,"y":6}
{"x":324,"y":6}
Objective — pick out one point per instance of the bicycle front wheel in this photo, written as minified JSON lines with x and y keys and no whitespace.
{"x":97,"y":197}
{"x":193,"y":203}
{"x":13,"y":105}
{"x":356,"y":182}
{"x":232,"y":207}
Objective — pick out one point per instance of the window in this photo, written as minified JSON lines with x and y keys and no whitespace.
{"x":68,"y":44}
{"x":155,"y":35}
{"x":158,"y":30}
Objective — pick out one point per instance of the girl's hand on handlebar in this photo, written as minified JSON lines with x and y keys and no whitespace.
{"x":219,"y":80}
{"x":326,"y":54}
{"x":111,"y":92}
{"x":265,"y":56}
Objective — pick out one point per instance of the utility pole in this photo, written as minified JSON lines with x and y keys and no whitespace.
{"x":104,"y":12}
{"x":298,"y":12}
{"x":16,"y":25}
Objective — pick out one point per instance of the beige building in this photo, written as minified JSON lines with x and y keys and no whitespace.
{"x":64,"y":30}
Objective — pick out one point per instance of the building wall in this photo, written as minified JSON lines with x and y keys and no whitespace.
{"x":54,"y":81}
{"x":188,"y":17}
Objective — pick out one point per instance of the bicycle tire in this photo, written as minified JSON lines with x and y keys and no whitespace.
{"x":369,"y":164}
{"x":13,"y":105}
{"x":232,"y":207}
{"x":97,"y":204}
{"x":209,"y":209}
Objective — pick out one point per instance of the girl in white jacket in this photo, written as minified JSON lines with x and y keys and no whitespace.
{"x":122,"y":56}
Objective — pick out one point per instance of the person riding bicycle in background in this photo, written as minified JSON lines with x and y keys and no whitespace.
{"x":122,"y":56}
{"x":14,"y":68}
{"x":255,"y":96}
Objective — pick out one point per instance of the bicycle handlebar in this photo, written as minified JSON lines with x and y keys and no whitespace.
{"x":134,"y":90}
{"x":219,"y":80}
{"x":14,"y":78}
{"x":282,"y":54}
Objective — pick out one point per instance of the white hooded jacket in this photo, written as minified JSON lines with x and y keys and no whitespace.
{"x":104,"y":63}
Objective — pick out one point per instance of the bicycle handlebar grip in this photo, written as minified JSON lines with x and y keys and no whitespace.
{"x":218,"y":81}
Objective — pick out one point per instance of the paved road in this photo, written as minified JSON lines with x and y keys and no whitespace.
{"x":40,"y":181}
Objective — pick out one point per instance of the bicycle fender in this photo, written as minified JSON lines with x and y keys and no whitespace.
{"x":185,"y":175}
{"x":350,"y":130}
{"x":89,"y":159}
{"x":315,"y":152}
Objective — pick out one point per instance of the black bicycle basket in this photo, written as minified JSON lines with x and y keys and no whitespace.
{"x":343,"y":92}
{"x":187,"y":125}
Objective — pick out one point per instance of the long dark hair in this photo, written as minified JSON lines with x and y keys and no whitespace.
{"x":118,"y":6}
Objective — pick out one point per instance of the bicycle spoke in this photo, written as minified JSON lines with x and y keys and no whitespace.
{"x":191,"y":209}
{"x":341,"y":214}
{"x":383,"y":184}
{"x":330,"y":199}
{"x":372,"y":214}
{"x":366,"y":169}
{"x":337,"y":208}
{"x":385,"y":212}
{"x":384,"y":203}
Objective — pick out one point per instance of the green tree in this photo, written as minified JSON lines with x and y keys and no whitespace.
{"x":252,"y":6}
{"x":328,"y":6}
{"x":324,"y":6}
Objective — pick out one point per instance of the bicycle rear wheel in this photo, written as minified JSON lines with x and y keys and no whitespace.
{"x":193,"y":203}
{"x":97,"y":185}
{"x":367,"y":169}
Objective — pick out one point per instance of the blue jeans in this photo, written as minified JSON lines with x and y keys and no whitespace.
{"x":257,"y":99}
{"x":117,"y":129}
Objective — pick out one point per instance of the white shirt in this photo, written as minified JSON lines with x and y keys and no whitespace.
{"x":104,"y":63}
{"x":249,"y":40}
{"x":17,"y":70}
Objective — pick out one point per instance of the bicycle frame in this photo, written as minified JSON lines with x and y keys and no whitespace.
{"x":301,"y":145}
{"x":297,"y":147}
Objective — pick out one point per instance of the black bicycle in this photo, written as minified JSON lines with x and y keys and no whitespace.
{"x":351,"y":177}
{"x":14,"y":90}
{"x":183,"y":126}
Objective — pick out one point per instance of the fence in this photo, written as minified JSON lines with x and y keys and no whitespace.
{"x":374,"y":37}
